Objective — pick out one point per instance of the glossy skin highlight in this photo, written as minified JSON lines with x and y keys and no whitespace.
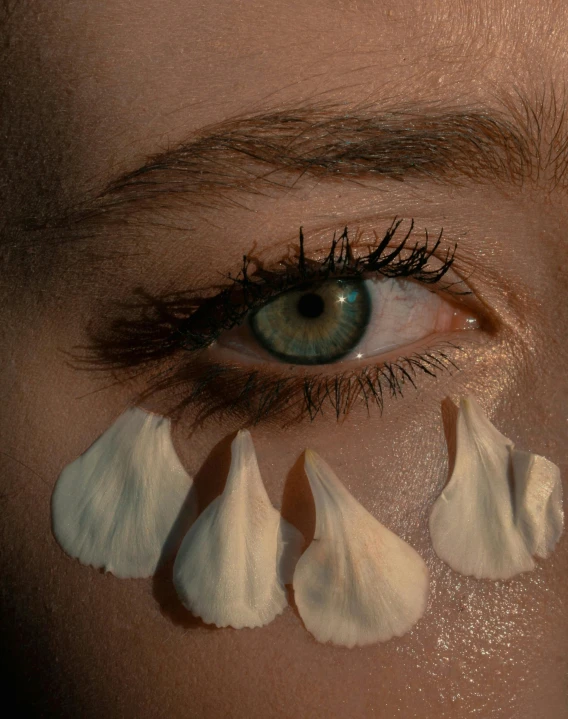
{"x":94,"y":89}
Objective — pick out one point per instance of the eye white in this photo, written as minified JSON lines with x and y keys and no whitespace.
{"x":402,"y":312}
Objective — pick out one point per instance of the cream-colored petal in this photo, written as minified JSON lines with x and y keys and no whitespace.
{"x":116,"y":506}
{"x":236,"y":558}
{"x":357,"y":583}
{"x":472,"y":523}
{"x":539,"y":516}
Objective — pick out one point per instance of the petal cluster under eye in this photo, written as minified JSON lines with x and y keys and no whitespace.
{"x":356,"y":584}
{"x":122,"y":505}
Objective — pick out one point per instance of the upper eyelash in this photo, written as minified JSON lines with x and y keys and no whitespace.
{"x":161,"y":326}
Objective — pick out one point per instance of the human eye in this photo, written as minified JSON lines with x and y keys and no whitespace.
{"x":338,"y":320}
{"x":309,"y":333}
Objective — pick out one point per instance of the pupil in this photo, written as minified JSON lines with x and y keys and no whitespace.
{"x":310,"y":305}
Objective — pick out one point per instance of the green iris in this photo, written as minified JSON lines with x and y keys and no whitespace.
{"x":317,"y":325}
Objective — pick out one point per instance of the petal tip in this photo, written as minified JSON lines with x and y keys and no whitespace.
{"x":310,"y":456}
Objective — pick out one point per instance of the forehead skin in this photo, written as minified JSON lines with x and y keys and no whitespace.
{"x":117,"y":84}
{"x":95,"y":88}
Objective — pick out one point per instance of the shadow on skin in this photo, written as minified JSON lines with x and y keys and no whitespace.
{"x":299,"y":509}
{"x":450,"y":420}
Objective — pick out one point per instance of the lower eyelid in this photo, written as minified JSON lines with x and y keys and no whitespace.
{"x":219,"y":384}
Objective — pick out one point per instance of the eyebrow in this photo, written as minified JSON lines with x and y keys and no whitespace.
{"x":272,"y":151}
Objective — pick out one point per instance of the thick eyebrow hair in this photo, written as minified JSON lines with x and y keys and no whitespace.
{"x":271,"y":151}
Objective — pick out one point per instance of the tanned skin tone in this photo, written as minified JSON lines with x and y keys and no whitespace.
{"x":90,"y":91}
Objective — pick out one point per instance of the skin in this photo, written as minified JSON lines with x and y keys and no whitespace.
{"x":95,"y":88}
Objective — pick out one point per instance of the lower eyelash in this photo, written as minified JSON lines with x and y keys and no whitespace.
{"x":252,"y":396}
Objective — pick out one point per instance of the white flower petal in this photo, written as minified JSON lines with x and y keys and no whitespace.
{"x":116,"y":506}
{"x":357,"y":583}
{"x":539,"y":516}
{"x":472,"y":523}
{"x":235,"y":560}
